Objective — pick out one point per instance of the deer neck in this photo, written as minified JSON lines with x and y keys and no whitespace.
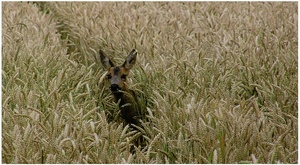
{"x":124,"y":97}
{"x":128,"y":106}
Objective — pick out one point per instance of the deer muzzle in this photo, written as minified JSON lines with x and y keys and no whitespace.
{"x":114,"y":88}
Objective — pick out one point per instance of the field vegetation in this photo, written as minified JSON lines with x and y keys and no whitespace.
{"x":219,"y":81}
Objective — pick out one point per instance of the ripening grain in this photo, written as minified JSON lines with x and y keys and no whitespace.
{"x":219,"y":81}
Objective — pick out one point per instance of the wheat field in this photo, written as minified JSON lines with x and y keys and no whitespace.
{"x":218,"y":79}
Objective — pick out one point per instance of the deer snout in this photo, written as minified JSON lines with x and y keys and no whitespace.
{"x":114,"y":88}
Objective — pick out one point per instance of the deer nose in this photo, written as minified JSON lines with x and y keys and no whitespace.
{"x":114,"y":88}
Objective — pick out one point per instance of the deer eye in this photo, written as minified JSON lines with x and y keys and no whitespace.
{"x":108,"y":76}
{"x":123,"y":76}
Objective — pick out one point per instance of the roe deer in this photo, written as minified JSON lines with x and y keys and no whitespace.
{"x":117,"y":76}
{"x":126,"y":98}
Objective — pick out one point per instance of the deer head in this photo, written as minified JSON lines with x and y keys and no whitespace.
{"x":117,"y":75}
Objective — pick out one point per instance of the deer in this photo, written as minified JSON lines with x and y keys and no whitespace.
{"x":126,"y":98}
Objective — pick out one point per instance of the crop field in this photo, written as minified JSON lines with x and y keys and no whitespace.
{"x":219,"y":81}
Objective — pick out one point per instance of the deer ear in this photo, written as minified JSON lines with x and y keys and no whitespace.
{"x":130,"y":59}
{"x":106,"y":62}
